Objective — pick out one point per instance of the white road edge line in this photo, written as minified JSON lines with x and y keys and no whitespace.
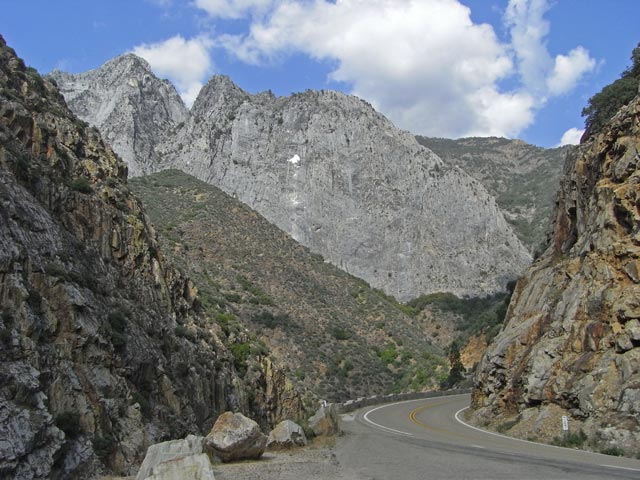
{"x":585,"y":452}
{"x":621,"y":468}
{"x":387,"y":429}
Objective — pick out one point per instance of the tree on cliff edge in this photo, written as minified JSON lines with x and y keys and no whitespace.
{"x":604,"y":104}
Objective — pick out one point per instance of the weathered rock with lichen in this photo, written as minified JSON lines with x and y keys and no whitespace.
{"x":191,"y":467}
{"x":167,"y":451}
{"x":570,"y":343}
{"x":235,"y":437}
{"x":325,"y":421}
{"x":93,"y":366}
{"x":286,"y":434}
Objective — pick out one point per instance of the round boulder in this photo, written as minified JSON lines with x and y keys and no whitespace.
{"x":235,"y":437}
{"x":287,"y":434}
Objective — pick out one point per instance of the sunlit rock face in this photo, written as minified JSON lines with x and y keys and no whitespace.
{"x":571,"y":344}
{"x":130,"y":106}
{"x":337,"y":176}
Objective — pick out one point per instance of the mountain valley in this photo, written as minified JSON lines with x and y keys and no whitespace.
{"x":263,"y":254}
{"x":324,"y":167}
{"x":336,"y":336}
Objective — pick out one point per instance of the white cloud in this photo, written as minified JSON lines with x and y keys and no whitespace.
{"x":423,"y":63}
{"x":568,"y":70}
{"x":233,"y":8}
{"x":528,"y":28}
{"x":541,"y":74}
{"x":186,"y":63}
{"x":571,"y":137}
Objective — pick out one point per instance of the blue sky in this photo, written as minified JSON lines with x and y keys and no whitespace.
{"x":518,"y":68}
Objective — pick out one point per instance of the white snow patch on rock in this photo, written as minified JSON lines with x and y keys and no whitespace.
{"x":295,"y":160}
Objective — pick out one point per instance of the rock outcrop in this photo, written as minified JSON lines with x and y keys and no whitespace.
{"x":341,"y":179}
{"x":325,"y":421}
{"x":571,"y":343}
{"x":168,"y":451}
{"x":286,"y":434}
{"x":192,"y":467}
{"x":235,"y":437}
{"x":130,"y":106}
{"x":105,"y":347}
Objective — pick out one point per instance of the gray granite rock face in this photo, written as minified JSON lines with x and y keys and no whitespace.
{"x":130,"y":106}
{"x":92,"y":369}
{"x":344,"y":181}
{"x":287,"y":434}
{"x":571,"y":340}
{"x":235,"y":437}
{"x":167,"y":451}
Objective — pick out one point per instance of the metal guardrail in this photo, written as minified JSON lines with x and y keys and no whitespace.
{"x":351,"y":405}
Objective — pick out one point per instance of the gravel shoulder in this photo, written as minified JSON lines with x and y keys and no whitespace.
{"x":316,"y":461}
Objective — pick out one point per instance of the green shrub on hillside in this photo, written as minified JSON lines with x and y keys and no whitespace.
{"x":480,"y":314}
{"x":389,"y":354}
{"x":340,"y":333}
{"x":270,"y":320}
{"x":81,"y":184}
{"x":240,"y":352}
{"x":573,"y":440}
{"x":614,"y":451}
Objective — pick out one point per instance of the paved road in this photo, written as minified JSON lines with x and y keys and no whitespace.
{"x":422,"y":440}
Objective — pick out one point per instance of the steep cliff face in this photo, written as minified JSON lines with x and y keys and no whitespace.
{"x":571,"y":344}
{"x":104,"y":347}
{"x":130,"y":106}
{"x":523,"y":178}
{"x":342,"y":180}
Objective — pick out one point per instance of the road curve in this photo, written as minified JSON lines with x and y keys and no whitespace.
{"x":423,"y":440}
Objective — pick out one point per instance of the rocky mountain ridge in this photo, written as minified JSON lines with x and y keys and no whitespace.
{"x":571,"y":342}
{"x":105,"y":347}
{"x":523,"y":178}
{"x":336,"y":175}
{"x":130,"y":106}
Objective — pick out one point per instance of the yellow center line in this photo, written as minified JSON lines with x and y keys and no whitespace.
{"x":413,"y":417}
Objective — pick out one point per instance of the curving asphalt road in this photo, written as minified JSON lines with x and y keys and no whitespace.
{"x":423,"y":440}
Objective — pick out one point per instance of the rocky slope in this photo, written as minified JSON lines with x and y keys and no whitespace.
{"x":523,"y":178}
{"x":571,"y":344}
{"x":105,"y":348}
{"x":130,"y":106}
{"x":342,"y":180}
{"x":337,"y":336}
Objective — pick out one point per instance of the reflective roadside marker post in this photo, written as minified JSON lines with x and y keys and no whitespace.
{"x":565,"y":427}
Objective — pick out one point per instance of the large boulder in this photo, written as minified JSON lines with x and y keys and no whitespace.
{"x":168,"y":451}
{"x":287,"y":434}
{"x":325,"y":421}
{"x":193,"y":467}
{"x":235,"y":437}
